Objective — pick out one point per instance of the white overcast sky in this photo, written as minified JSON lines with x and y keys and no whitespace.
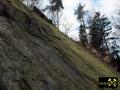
{"x":107,"y":7}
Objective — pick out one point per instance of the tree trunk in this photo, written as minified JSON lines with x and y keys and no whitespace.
{"x":57,"y":19}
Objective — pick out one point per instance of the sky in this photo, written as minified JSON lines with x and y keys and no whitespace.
{"x":107,"y":7}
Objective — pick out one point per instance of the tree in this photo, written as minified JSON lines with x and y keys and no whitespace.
{"x":80,"y":13}
{"x":65,"y":25}
{"x":100,"y":29}
{"x":82,"y":28}
{"x":116,"y":17}
{"x":55,"y":8}
{"x":115,"y":54}
{"x":83,"y":35}
{"x":115,"y":45}
{"x":115,"y":50}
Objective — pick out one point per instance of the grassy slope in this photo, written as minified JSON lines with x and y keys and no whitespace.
{"x":88,"y":67}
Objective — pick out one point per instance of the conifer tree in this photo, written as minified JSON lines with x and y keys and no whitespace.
{"x":82,"y":29}
{"x":115,"y":54}
{"x":99,"y":31}
{"x":55,"y":8}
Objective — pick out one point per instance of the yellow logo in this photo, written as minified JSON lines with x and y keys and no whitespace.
{"x":108,"y":82}
{"x":112,"y":82}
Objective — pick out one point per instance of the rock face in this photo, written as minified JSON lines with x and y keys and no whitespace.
{"x":34,"y":55}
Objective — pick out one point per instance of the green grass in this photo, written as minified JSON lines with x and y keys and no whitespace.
{"x":89,"y":66}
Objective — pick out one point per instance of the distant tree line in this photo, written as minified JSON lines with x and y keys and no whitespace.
{"x":98,"y":39}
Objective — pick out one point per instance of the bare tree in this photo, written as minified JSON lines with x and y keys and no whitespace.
{"x":66,"y":25}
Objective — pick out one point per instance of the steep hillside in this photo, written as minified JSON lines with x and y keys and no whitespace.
{"x":34,"y":55}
